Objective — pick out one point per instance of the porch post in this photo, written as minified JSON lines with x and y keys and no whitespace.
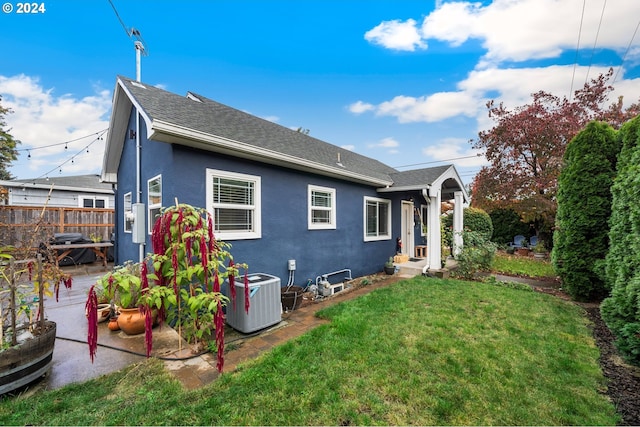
{"x":434,"y":238}
{"x":458,"y":221}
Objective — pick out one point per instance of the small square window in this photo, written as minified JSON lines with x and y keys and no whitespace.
{"x":322,"y":208}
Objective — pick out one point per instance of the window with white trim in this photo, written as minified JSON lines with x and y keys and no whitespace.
{"x":424,"y":211}
{"x":127,"y":208}
{"x":93,"y":202}
{"x":154,"y":201}
{"x":322,"y":208}
{"x":233,"y":199}
{"x":377,"y":219}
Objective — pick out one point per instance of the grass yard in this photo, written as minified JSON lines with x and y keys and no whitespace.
{"x":522,"y":266}
{"x":422,"y":351}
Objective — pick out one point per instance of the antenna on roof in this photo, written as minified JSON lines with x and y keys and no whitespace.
{"x":138,"y":43}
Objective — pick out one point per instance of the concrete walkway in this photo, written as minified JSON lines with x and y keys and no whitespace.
{"x":116,"y":350}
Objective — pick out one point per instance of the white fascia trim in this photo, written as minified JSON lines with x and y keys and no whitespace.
{"x":207,"y":142}
{"x":396,"y":189}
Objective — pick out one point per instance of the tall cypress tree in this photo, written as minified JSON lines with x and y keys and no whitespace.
{"x":581,"y":238}
{"x":621,"y":310}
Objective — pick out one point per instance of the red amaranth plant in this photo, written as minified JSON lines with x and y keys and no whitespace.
{"x":188,"y":266}
{"x":91,"y":308}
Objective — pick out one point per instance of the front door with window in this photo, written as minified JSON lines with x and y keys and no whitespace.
{"x":407,"y":228}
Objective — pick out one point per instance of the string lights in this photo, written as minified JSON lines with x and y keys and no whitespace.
{"x":98,"y":137}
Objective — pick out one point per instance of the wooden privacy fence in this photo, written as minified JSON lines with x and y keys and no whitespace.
{"x":30,"y":225}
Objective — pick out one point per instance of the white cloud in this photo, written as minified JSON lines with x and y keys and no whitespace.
{"x":360,"y":107}
{"x":511,"y":31}
{"x":349,"y":147}
{"x":397,"y":35}
{"x":521,"y":30}
{"x":433,"y":108}
{"x":388,"y":143}
{"x":511,"y":86}
{"x":454,"y":150}
{"x":40,"y":119}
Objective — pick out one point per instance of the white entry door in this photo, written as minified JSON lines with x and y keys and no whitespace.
{"x":407,"y":228}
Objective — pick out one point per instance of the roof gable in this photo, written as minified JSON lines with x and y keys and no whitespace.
{"x":196,"y":121}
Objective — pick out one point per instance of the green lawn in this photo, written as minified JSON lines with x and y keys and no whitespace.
{"x":522,"y":266}
{"x":422,"y":351}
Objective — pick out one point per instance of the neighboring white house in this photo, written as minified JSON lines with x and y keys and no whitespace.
{"x":80,"y":191}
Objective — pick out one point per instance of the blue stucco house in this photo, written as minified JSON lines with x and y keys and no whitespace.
{"x":275,"y":194}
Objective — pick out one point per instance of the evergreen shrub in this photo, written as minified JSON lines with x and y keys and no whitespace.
{"x":581,"y":239}
{"x":621,"y":310}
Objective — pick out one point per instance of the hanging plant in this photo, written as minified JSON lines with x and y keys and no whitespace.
{"x":181,"y":278}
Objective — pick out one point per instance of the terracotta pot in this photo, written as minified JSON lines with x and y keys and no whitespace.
{"x":113,"y":324}
{"x":131,"y":321}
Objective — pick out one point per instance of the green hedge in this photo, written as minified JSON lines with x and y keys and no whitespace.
{"x":581,"y":238}
{"x":475,"y":219}
{"x":621,"y":310}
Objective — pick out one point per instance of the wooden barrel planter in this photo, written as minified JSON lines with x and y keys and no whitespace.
{"x":27,"y":361}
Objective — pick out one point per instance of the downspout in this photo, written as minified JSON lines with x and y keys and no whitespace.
{"x":114,"y":188}
{"x":139,"y":178}
{"x":425,"y":196}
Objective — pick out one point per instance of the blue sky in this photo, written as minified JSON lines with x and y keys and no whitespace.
{"x":404,"y":82}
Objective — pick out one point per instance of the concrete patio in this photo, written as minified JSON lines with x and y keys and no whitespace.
{"x":116,"y":350}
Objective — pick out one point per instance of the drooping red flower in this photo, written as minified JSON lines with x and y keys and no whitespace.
{"x":246,"y":291}
{"x":216,"y":281}
{"x":30,"y":267}
{"x":219,"y":325}
{"x":91,"y":308}
{"x":204,"y":252}
{"x":213,"y":246}
{"x":144,"y":270}
{"x":174,"y":264}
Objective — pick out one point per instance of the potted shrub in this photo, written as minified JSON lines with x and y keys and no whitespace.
{"x":180,"y":280}
{"x":389,"y":268}
{"x":123,"y":289}
{"x":540,"y":251}
{"x":26,"y":339}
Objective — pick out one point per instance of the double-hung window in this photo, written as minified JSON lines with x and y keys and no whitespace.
{"x":128,"y":213}
{"x":233,"y":200}
{"x":377,"y":219}
{"x":322,"y":208}
{"x":154,"y":200}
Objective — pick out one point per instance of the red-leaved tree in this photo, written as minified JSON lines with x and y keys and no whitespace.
{"x":526,"y":146}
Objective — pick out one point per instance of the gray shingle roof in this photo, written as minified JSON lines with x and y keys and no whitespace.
{"x":417,"y":176}
{"x":78,"y":181}
{"x":199,"y":115}
{"x":216,"y":119}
